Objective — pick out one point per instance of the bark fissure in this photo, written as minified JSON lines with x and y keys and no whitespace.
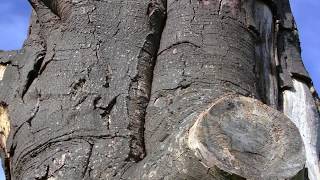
{"x":177,"y":44}
{"x":87,"y":162}
{"x":7,"y":167}
{"x":140,"y":86}
{"x":33,"y":73}
{"x":106,"y":110}
{"x":33,"y":113}
{"x":220,"y":7}
{"x":45,"y":63}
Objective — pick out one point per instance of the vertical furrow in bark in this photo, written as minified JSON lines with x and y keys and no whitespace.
{"x":33,"y":72}
{"x":266,"y":63}
{"x":140,"y":87}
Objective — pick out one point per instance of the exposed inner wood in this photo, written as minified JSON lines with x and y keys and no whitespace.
{"x":4,"y":133}
{"x":2,"y":70}
{"x":4,"y":126}
{"x":299,"y":106}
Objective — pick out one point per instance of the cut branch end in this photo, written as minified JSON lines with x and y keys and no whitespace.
{"x":242,"y":136}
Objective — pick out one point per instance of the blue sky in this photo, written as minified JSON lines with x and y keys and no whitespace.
{"x":14,"y":20}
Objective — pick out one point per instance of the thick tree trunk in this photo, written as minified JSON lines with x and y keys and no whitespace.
{"x":190,"y":89}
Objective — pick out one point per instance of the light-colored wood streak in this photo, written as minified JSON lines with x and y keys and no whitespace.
{"x":300,"y":107}
{"x":4,"y":129}
{"x":2,"y":70}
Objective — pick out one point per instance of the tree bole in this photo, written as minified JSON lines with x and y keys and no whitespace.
{"x":157,"y":89}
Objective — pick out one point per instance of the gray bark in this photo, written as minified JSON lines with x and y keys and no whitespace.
{"x":190,"y":89}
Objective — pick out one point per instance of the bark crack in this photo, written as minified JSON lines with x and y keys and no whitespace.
{"x":106,"y":110}
{"x":45,"y":64}
{"x":34,"y":113}
{"x":33,"y":73}
{"x":88,"y":160}
{"x":220,"y":7}
{"x":177,"y":44}
{"x":140,"y":85}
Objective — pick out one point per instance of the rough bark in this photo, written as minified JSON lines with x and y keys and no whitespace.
{"x":141,"y":90}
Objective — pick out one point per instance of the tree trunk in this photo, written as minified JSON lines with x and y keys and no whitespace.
{"x":156,"y":89}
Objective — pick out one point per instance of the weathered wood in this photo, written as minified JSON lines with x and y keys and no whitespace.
{"x":4,"y":128}
{"x":2,"y":70}
{"x":236,"y":137}
{"x":4,"y":133}
{"x":300,"y":107}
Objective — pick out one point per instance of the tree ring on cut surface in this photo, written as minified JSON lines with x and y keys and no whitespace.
{"x":243,"y":136}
